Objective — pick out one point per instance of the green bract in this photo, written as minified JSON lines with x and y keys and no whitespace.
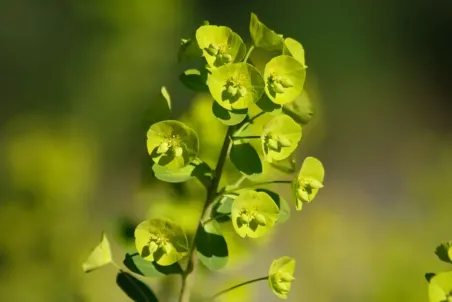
{"x":284,"y":79}
{"x":300,"y":109}
{"x":294,"y":48}
{"x":253,"y":214}
{"x":228,"y":117}
{"x":280,"y":276}
{"x":308,"y":181}
{"x":280,"y":138}
{"x":172,"y":144}
{"x":444,"y":251}
{"x":236,"y":86}
{"x":99,"y":256}
{"x":220,"y":45}
{"x":440,"y":287}
{"x":264,"y":37}
{"x":161,"y":240}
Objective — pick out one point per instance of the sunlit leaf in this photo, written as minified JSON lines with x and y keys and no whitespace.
{"x":211,"y":246}
{"x":280,"y":276}
{"x":135,"y":289}
{"x":245,"y":158}
{"x":266,"y":105}
{"x":283,"y":205}
{"x":264,"y":37}
{"x":294,"y":48}
{"x":196,"y":169}
{"x":138,"y":265}
{"x":228,"y":117}
{"x":440,"y":287}
{"x":236,"y":86}
{"x":161,"y":240}
{"x":308,"y":182}
{"x":195,"y":79}
{"x":286,"y":165}
{"x":444,"y":251}
{"x":99,"y":256}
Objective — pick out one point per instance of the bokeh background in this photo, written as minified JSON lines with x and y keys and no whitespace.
{"x":79,"y":77}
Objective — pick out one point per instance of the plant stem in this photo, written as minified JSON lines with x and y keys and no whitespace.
{"x":236,"y":286}
{"x":251,"y":120}
{"x":188,"y":275}
{"x":246,"y":137}
{"x":250,"y":50}
{"x":257,"y":185}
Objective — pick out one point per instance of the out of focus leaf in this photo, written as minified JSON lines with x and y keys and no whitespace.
{"x":211,"y":246}
{"x":138,"y":265}
{"x":134,"y":288}
{"x":99,"y":257}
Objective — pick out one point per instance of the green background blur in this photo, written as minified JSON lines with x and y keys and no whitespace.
{"x":77,"y":79}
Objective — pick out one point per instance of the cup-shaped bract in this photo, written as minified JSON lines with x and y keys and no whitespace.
{"x":254,"y":214}
{"x":236,"y":86}
{"x":440,"y":287}
{"x":264,"y":37}
{"x":172,"y":144}
{"x":280,"y":138}
{"x":220,"y":45}
{"x":294,"y":48}
{"x":280,"y":276}
{"x":284,"y":79}
{"x":308,"y":182}
{"x":161,"y":240}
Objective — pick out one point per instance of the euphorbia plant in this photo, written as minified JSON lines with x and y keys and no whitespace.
{"x":236,"y":85}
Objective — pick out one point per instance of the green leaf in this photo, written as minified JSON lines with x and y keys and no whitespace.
{"x":266,"y":105}
{"x":161,"y":240}
{"x":286,"y":165}
{"x":220,"y":45}
{"x":236,"y":86}
{"x":300,"y":109}
{"x":172,"y":144}
{"x":99,"y":256}
{"x":160,"y":108}
{"x":280,"y":138}
{"x":440,"y":287}
{"x":245,"y":158}
{"x":134,"y":288}
{"x":280,"y":276}
{"x":294,"y":48}
{"x":264,"y":37}
{"x":195,"y":79}
{"x":196,"y":169}
{"x":229,"y":117}
{"x":284,"y":79}
{"x":211,"y":246}
{"x":138,"y":265}
{"x":222,"y":208}
{"x":188,"y":50}
{"x":444,"y":251}
{"x":429,"y":276}
{"x":283,"y":205}
{"x":253,"y":214}
{"x":308,"y":182}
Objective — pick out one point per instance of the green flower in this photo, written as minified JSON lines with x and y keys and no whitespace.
{"x":308,"y":182}
{"x":253,"y":214}
{"x":172,"y":144}
{"x":440,"y":288}
{"x":280,"y":276}
{"x":280,"y":138}
{"x":161,"y":240}
{"x":220,"y":45}
{"x":236,"y":86}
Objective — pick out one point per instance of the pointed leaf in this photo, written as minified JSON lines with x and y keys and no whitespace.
{"x":99,"y":257}
{"x":134,"y":288}
{"x":245,"y":158}
{"x":444,"y":251}
{"x":294,"y":48}
{"x":138,"y":265}
{"x":264,"y":37}
{"x":211,"y":246}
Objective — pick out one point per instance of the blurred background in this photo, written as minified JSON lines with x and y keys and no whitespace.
{"x":79,"y":77}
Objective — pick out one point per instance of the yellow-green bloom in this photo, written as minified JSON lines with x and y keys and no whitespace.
{"x":280,"y":276}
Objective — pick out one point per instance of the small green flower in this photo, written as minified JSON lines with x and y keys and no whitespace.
{"x":440,"y":287}
{"x":253,"y":214}
{"x":308,"y":182}
{"x":161,"y":240}
{"x":280,"y":276}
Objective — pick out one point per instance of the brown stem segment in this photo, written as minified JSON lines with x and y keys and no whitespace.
{"x":189,"y":273}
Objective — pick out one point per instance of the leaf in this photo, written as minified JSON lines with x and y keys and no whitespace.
{"x":245,"y":158}
{"x":284,"y":79}
{"x":444,"y":251}
{"x":294,"y":48}
{"x":266,"y":105}
{"x":283,"y":205}
{"x":253,"y":214}
{"x":286,"y":165}
{"x":308,"y":182}
{"x":280,"y":138}
{"x":196,"y":169}
{"x":222,"y":208}
{"x":440,"y":287}
{"x":134,"y":288}
{"x":280,"y":276}
{"x":229,"y":117}
{"x":220,"y":45}
{"x":211,"y":246}
{"x":99,"y":256}
{"x":264,"y":37}
{"x":172,"y":144}
{"x":300,"y":109}
{"x":161,"y":240}
{"x":138,"y":265}
{"x":429,"y":276}
{"x":236,"y":86}
{"x":160,"y":108}
{"x":188,"y":50}
{"x":195,"y":79}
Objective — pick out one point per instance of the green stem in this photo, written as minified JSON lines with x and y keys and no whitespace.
{"x":246,"y":137}
{"x":215,"y":218}
{"x":188,"y":275}
{"x":250,"y":50}
{"x":257,"y":185}
{"x":237,"y":286}
{"x":255,"y":117}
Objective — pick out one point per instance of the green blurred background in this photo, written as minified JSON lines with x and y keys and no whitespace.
{"x":79,"y":77}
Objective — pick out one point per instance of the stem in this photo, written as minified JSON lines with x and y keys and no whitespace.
{"x":215,"y":218}
{"x":258,"y":184}
{"x":237,"y":286}
{"x":248,"y":53}
{"x":255,"y":117}
{"x":188,"y":275}
{"x":246,"y":137}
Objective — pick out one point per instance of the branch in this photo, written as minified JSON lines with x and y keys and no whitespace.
{"x":236,"y":286}
{"x":226,"y":191}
